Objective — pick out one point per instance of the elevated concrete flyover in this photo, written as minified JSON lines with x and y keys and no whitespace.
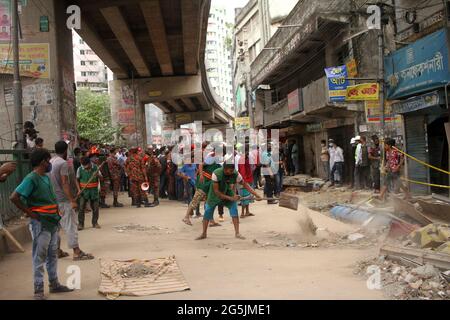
{"x":156,"y":50}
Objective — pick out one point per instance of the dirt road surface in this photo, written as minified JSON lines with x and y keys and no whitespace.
{"x":221,"y":267}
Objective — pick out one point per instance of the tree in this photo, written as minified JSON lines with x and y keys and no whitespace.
{"x":94,"y":117}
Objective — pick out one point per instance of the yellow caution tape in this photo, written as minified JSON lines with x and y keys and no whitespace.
{"x":426,"y":184}
{"x":422,"y":162}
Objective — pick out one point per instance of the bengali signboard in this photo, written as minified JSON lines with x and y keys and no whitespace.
{"x":34,"y":60}
{"x":352,"y":68}
{"x":417,"y":103}
{"x":418,"y":67}
{"x":373,"y":112}
{"x":126,"y":116}
{"x":337,"y":83}
{"x":363,"y":92}
{"x":295,"y":101}
{"x":242,"y":123}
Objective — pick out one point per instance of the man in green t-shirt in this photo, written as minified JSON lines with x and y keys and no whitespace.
{"x":221,"y":192}
{"x":36,"y":198}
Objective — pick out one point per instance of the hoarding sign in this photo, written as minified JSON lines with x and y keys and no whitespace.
{"x":295,"y":101}
{"x":242,"y":123}
{"x":373,"y":112}
{"x":352,"y":68}
{"x":417,"y":103}
{"x":337,"y":83}
{"x":363,"y":92}
{"x":34,"y":60}
{"x":418,"y":67}
{"x":314,"y":127}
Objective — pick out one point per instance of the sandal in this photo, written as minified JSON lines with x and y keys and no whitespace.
{"x":188,"y":222}
{"x":250,"y":215}
{"x":215,"y":224}
{"x":83,"y":256}
{"x":62,"y":254}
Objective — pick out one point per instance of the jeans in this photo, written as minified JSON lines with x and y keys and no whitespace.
{"x":69,"y":223}
{"x":376,"y":179}
{"x":179,"y":188}
{"x":339,"y":167}
{"x":163,"y":186}
{"x":362,"y":177}
{"x":209,"y":211}
{"x":296,"y":165}
{"x":279,"y":182}
{"x":94,"y":207}
{"x":256,"y":177}
{"x":44,"y":251}
{"x":326,"y":169}
{"x":269,"y":186}
{"x":190,"y":191}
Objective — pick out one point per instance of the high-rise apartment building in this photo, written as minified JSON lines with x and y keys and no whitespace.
{"x":218,"y":56}
{"x":90,"y":71}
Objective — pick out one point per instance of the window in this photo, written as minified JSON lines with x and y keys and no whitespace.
{"x":83,"y":63}
{"x":93,"y":63}
{"x":82,"y":52}
{"x":83,"y":73}
{"x":81,"y":41}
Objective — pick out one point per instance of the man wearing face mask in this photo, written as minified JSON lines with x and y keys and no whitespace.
{"x":66,"y":190}
{"x":36,"y":198}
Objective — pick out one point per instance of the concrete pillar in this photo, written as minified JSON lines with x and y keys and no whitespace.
{"x":48,"y":88}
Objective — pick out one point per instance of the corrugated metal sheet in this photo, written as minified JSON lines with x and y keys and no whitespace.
{"x":416,"y":145}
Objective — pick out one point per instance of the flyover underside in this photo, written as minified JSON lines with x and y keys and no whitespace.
{"x":155,"y":49}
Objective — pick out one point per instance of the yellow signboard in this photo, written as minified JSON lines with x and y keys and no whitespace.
{"x":352,"y":68}
{"x":373,"y":112}
{"x":34,"y":60}
{"x":363,"y":92}
{"x":242,"y":123}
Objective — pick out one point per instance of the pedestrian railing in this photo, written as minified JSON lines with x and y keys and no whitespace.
{"x":8,"y":210}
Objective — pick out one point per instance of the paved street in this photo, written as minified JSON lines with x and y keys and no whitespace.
{"x":220,"y":267}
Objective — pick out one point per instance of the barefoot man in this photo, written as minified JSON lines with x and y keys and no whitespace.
{"x":221,"y":191}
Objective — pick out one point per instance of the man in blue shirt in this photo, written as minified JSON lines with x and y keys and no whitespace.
{"x":188,"y":172}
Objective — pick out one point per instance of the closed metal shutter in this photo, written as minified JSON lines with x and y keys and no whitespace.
{"x":416,"y":146}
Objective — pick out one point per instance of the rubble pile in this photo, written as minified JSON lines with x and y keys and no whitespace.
{"x":136,"y":270}
{"x":407,"y":283}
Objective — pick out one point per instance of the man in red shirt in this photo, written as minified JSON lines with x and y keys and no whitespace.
{"x":394,"y":162}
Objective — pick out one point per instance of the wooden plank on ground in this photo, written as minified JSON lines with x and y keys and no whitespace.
{"x":408,"y":208}
{"x":421,"y":256}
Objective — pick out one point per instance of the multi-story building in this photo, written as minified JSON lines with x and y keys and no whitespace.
{"x":218,"y":56}
{"x":90,"y":71}
{"x":254,"y":25}
{"x":417,"y":80}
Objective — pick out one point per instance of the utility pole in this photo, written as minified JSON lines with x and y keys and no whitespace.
{"x":381,"y":46}
{"x":17,"y":85}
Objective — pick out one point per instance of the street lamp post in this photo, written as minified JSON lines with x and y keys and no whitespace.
{"x":17,"y":85}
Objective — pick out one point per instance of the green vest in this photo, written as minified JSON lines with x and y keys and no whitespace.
{"x":41,"y":199}
{"x":90,"y":193}
{"x":208,"y":169}
{"x":225,"y":183}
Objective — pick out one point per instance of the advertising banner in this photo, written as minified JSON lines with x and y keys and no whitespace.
{"x":242,"y":123}
{"x":373,"y":112}
{"x":363,"y":92}
{"x":337,"y":83}
{"x":295,"y":101}
{"x":34,"y":60}
{"x":418,"y":67}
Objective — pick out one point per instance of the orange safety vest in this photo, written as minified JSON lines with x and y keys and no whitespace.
{"x":207,"y":175}
{"x":50,"y":209}
{"x":91,"y":185}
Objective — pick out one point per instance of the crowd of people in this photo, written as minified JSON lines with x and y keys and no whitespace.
{"x":367,"y":166}
{"x":60,"y":190}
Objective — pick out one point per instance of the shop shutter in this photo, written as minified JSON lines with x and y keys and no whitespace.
{"x":417,"y":147}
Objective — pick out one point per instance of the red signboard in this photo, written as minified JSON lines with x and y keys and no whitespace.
{"x":295,"y":101}
{"x":126,"y":116}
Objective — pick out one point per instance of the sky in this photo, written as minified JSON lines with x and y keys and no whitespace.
{"x":230,"y":5}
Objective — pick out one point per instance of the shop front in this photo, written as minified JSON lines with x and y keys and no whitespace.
{"x":417,"y":79}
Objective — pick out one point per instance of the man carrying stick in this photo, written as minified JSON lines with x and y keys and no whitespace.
{"x":221,"y":191}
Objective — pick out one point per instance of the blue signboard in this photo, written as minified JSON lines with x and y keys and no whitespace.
{"x":417,"y":103}
{"x":337,"y":83}
{"x":418,"y":67}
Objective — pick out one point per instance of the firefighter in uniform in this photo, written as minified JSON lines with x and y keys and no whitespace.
{"x":114,"y":169}
{"x":137,"y":174}
{"x":153,"y":173}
